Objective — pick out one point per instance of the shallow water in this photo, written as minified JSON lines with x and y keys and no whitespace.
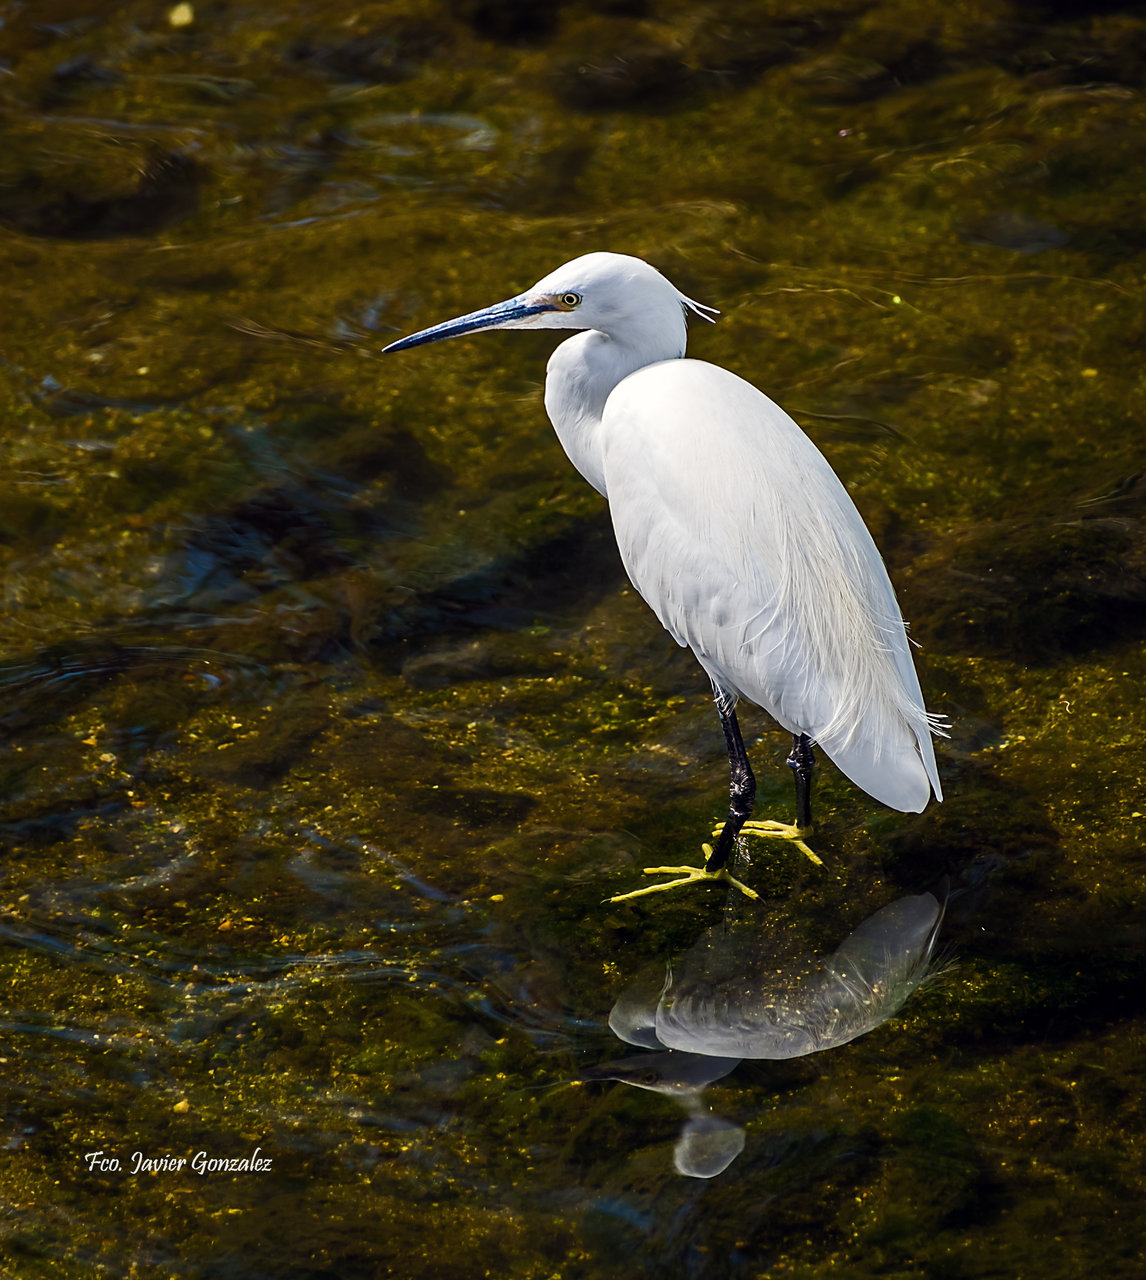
{"x":329,"y":719}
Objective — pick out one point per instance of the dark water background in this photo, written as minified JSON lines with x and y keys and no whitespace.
{"x":328,"y":719}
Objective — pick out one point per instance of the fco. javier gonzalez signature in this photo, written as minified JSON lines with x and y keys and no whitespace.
{"x":200,"y":1163}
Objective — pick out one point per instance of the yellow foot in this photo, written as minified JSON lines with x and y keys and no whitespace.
{"x":777,"y":831}
{"x":688,"y":875}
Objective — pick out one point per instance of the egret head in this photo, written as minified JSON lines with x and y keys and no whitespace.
{"x":610,"y":292}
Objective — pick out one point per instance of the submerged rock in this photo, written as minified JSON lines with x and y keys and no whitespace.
{"x":82,"y":202}
{"x":1032,"y":590}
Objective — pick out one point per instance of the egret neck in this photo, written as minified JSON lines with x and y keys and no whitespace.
{"x":584,"y":369}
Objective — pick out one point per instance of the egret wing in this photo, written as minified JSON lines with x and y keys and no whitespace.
{"x":738,"y":534}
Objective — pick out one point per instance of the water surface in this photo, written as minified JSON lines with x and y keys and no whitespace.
{"x":330,"y":720}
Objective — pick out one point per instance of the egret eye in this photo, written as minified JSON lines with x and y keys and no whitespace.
{"x":570,"y":300}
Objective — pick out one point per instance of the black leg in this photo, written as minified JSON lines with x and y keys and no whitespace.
{"x":741,"y":786}
{"x":803,"y":761}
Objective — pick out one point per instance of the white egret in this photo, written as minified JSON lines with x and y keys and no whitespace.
{"x":736,"y":532}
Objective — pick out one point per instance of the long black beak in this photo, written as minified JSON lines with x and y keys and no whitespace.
{"x":502,"y":315}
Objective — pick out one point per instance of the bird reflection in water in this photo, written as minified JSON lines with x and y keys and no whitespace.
{"x":735,"y":995}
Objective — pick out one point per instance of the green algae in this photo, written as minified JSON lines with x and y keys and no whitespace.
{"x":330,"y":718}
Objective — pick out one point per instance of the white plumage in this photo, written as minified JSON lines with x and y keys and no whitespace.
{"x":730,"y":522}
{"x":747,"y":547}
